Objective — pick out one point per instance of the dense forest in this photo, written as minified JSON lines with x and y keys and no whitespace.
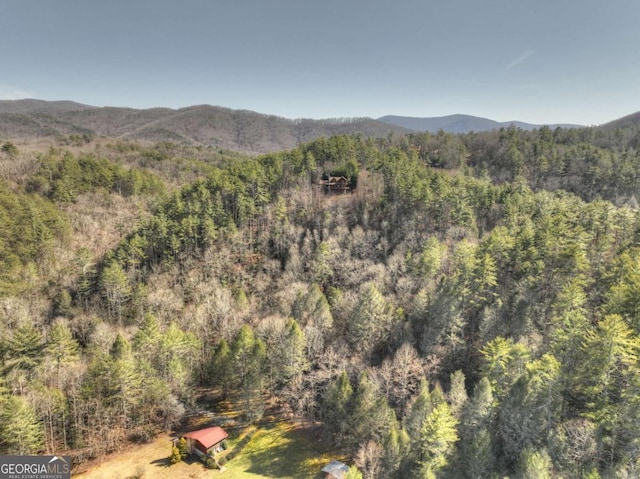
{"x":469,"y":310}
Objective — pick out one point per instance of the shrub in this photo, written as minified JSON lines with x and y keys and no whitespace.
{"x":175,"y":456}
{"x":182,"y":448}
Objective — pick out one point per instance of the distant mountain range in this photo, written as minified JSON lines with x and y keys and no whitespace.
{"x":459,"y":123}
{"x":238,"y":130}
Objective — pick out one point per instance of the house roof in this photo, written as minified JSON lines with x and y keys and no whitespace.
{"x":333,"y":180}
{"x":336,"y":469}
{"x":209,"y":436}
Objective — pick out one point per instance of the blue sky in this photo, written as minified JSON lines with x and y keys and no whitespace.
{"x":540,"y":61}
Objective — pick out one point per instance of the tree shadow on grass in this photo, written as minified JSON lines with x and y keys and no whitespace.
{"x":162,"y":462}
{"x":165,"y":462}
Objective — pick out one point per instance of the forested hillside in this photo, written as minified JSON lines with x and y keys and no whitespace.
{"x":238,"y":130}
{"x":470,"y":310}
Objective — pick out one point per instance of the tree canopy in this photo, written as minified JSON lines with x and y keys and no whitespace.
{"x":468,"y":310}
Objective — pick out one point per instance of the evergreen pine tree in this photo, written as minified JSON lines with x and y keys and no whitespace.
{"x":61,"y":347}
{"x":24,"y":348}
{"x":221,"y":368}
{"x":438,"y":436}
{"x":371,"y":320}
{"x":336,"y":405}
{"x":20,"y":430}
{"x":476,"y":445}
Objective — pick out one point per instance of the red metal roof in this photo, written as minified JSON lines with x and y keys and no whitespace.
{"x":209,"y":436}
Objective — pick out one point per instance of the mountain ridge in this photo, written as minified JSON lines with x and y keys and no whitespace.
{"x":238,"y":130}
{"x":460,"y":123}
{"x":242,"y":130}
{"x":35,"y":105}
{"x":624,"y":122}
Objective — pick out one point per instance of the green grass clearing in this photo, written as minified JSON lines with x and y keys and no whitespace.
{"x":277,"y":451}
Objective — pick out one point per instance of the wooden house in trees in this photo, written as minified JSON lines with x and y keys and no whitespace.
{"x":335,"y":470}
{"x":206,"y":442}
{"x":335,"y":184}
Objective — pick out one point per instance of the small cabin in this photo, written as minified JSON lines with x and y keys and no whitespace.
{"x":206,"y":442}
{"x":335,"y":470}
